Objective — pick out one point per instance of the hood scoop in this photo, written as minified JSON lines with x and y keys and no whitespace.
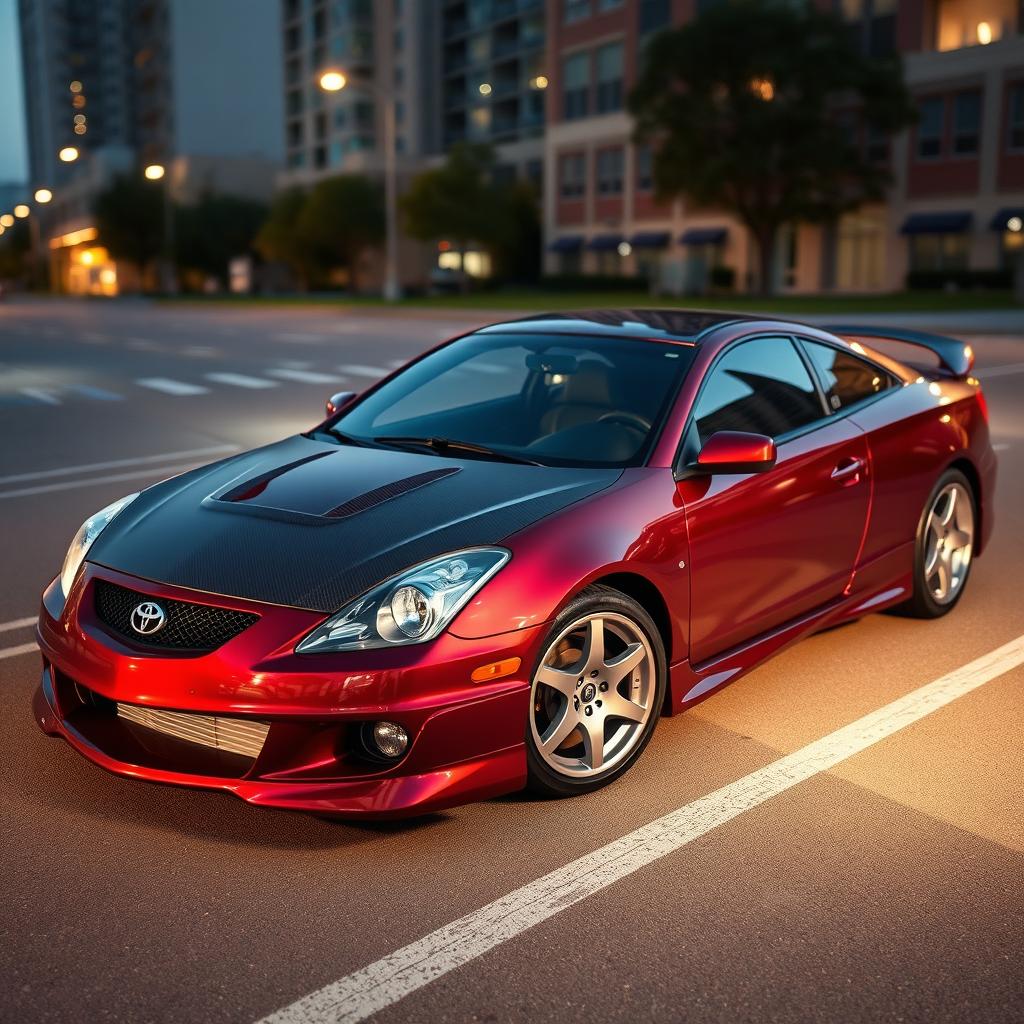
{"x":319,"y":489}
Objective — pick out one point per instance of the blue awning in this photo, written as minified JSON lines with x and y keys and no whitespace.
{"x":1002,"y":218}
{"x":704,"y":236}
{"x":650,"y":239}
{"x":945,"y":223}
{"x":567,"y":243}
{"x":604,"y":243}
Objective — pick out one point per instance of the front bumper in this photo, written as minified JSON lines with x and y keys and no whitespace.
{"x":466,"y":738}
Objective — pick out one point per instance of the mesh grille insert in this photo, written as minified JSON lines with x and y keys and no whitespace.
{"x":189,"y":627}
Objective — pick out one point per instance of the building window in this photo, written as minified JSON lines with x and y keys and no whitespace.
{"x":931,"y":113}
{"x":575,"y":10}
{"x":654,"y":15}
{"x":608,"y":5}
{"x":644,"y":169}
{"x":966,"y":122}
{"x":938,"y":252}
{"x":609,"y":78}
{"x":609,"y":171}
{"x":576,"y":85}
{"x":572,"y":176}
{"x":961,"y":23}
{"x":1015,"y":117}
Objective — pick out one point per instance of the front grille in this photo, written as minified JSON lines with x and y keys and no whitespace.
{"x":188,"y":627}
{"x":243,"y":736}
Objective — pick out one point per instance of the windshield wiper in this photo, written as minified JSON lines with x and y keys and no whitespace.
{"x":443,"y":444}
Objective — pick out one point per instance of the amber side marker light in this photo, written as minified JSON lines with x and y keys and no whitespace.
{"x":495,"y":670}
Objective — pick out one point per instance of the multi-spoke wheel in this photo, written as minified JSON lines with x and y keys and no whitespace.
{"x":596,"y":695}
{"x":945,"y":543}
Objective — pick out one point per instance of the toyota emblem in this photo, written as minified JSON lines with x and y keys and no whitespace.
{"x":148,"y":618}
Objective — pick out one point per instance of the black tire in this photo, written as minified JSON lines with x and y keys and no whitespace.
{"x":922,"y":604}
{"x":542,"y":779}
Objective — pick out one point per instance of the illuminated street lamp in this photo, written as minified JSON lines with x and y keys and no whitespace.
{"x":334,"y":80}
{"x":7,"y":221}
{"x":43,"y":195}
{"x":154,"y":172}
{"x":69,"y":154}
{"x":21,"y":210}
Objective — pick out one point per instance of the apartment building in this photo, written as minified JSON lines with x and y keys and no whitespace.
{"x":957,"y":199}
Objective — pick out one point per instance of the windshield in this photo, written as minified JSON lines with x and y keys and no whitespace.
{"x":554,"y":400}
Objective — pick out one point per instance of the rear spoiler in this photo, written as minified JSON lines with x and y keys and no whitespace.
{"x":955,"y":356}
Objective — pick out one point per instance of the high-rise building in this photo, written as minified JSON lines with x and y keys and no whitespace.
{"x":955,"y":207}
{"x":112,"y":87}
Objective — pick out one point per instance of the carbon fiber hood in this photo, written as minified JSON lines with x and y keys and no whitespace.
{"x":312,"y":525}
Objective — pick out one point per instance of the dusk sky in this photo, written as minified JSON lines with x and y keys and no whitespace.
{"x":13,"y":159}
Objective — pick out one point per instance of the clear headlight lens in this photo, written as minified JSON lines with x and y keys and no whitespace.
{"x":410,"y":608}
{"x":83,"y":540}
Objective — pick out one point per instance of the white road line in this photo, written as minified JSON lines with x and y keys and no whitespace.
{"x":217,"y":449}
{"x":67,"y":485}
{"x":40,"y":395}
{"x":365,"y":371}
{"x":1003,"y":447}
{"x":300,"y":337}
{"x":365,"y":992}
{"x":100,"y":394}
{"x":171,"y":387}
{"x":396,"y":363}
{"x":141,"y":344}
{"x":200,"y":351}
{"x":13,"y":652}
{"x":29,"y":620}
{"x":999,"y":371}
{"x":305,"y":376}
{"x":240,"y":380}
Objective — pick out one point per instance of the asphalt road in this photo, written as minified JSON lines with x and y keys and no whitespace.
{"x":889,"y":886}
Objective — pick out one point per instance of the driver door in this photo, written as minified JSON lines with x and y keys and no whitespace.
{"x":768,"y":548}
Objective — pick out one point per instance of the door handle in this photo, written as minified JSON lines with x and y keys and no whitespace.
{"x":849,"y":470}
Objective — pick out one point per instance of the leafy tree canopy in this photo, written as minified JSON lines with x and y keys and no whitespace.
{"x":749,"y":108}
{"x":279,"y":239}
{"x":130,"y":220}
{"x":209,"y":234}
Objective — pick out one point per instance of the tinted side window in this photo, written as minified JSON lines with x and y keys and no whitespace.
{"x":846,"y":378}
{"x":761,"y":386}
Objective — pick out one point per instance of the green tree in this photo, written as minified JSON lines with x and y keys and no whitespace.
{"x":342,"y":218}
{"x":130,"y":220}
{"x":215,"y":230}
{"x":279,"y":238}
{"x":747,"y":108}
{"x":14,"y":251}
{"x":459,"y":201}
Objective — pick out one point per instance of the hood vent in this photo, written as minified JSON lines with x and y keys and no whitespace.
{"x":378,"y":495}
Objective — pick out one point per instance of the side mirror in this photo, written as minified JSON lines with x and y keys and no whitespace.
{"x":735,"y":451}
{"x":338,"y":401}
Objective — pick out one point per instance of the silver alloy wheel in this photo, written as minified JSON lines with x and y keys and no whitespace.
{"x":593,"y":695}
{"x":949,"y":540}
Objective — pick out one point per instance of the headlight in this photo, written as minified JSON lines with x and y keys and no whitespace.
{"x":410,"y":608}
{"x":87,"y":533}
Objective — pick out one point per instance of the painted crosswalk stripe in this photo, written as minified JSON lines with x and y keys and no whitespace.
{"x":240,"y":380}
{"x":141,"y":344}
{"x":100,"y":394}
{"x":29,"y":620}
{"x":299,"y":337}
{"x":200,"y":351}
{"x":986,"y":373}
{"x":304,"y":376}
{"x":364,"y":371}
{"x":172,"y":387}
{"x":386,"y":981}
{"x":11,"y":652}
{"x":40,"y":395}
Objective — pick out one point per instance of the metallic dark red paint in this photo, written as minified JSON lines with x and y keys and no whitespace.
{"x":733,"y":568}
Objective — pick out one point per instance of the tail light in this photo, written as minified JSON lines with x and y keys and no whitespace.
{"x":982,"y":403}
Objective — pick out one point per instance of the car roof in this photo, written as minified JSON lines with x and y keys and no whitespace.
{"x":670,"y":324}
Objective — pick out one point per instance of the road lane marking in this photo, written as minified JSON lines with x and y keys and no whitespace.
{"x":100,"y":394}
{"x":300,"y":337}
{"x":94,"y":339}
{"x":999,"y":371}
{"x":142,"y":345}
{"x":365,"y":371}
{"x":40,"y":395}
{"x":240,"y":380}
{"x":172,"y":387}
{"x":366,"y":991}
{"x":200,"y":351}
{"x":29,"y":620}
{"x":67,"y":485}
{"x":217,"y":449}
{"x":13,"y":652}
{"x":305,"y":376}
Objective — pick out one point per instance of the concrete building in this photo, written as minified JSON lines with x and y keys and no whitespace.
{"x":958,"y":175}
{"x":191,"y":85}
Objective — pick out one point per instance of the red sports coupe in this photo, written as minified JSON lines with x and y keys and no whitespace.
{"x":499,"y":566}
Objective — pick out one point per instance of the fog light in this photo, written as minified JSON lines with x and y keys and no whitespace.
{"x":390,"y":739}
